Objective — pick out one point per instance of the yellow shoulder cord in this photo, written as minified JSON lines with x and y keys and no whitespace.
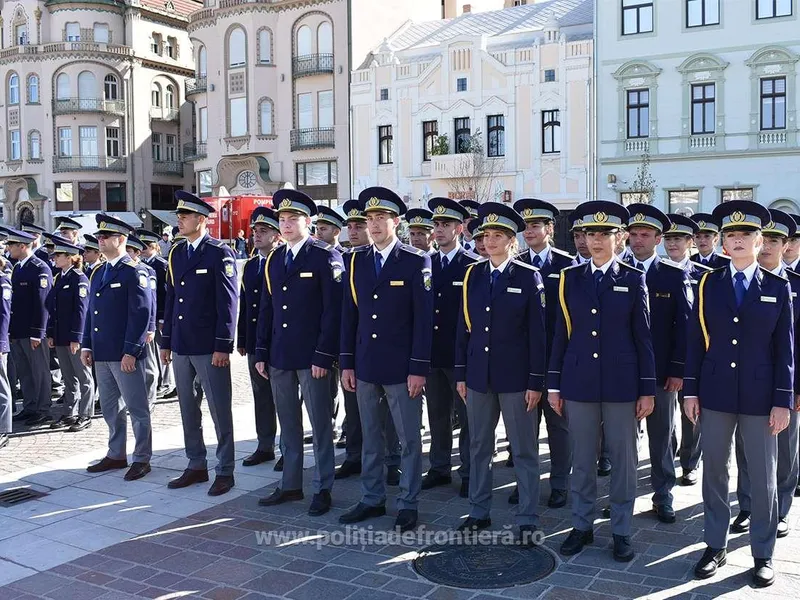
{"x":562,"y":299}
{"x":701,"y":311}
{"x":352,"y":278}
{"x":169,"y":261}
{"x":96,"y":268}
{"x":266,"y":273}
{"x":464,"y":298}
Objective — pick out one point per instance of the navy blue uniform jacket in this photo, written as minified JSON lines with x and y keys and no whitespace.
{"x":250,"y":292}
{"x":67,"y":303}
{"x":5,"y":310}
{"x":500,"y":342}
{"x":716,"y":260}
{"x":31,"y":283}
{"x":159,"y":265}
{"x":603,"y":347}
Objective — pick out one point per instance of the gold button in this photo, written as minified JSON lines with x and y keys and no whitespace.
{"x":733,"y":365}
{"x":374,"y":316}
{"x":735,"y":319}
{"x":594,"y":334}
{"x":374,"y":336}
{"x":734,"y":342}
{"x":486,"y":348}
{"x":180,"y":317}
{"x":285,"y":325}
{"x":594,"y":311}
{"x":375,"y":296}
{"x":595,"y":355}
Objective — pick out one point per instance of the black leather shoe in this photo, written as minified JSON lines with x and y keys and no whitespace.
{"x":406,"y":520}
{"x":222,"y":485}
{"x":689,"y":477}
{"x":280,"y":496}
{"x":347,"y":469}
{"x":664,"y":512}
{"x":605,"y":512}
{"x":575,"y":541}
{"x":797,"y":492}
{"x":527,"y":536}
{"x":603,"y":467}
{"x":783,"y":527}
{"x":320,"y":503}
{"x":393,"y":476}
{"x":557,"y":499}
{"x":137,"y":471}
{"x":510,"y":459}
{"x":189,"y":477}
{"x":433,"y":479}
{"x":707,"y":565}
{"x":362,"y":512}
{"x":3,"y":440}
{"x":107,"y":464}
{"x":38,"y":420}
{"x":258,"y":457}
{"x":514,"y":497}
{"x":63,"y":423}
{"x":342,"y":441}
{"x":170,"y":394}
{"x":23,"y":416}
{"x":463,"y":491}
{"x":81,"y":424}
{"x":741,"y":524}
{"x":309,"y":439}
{"x":763,"y":573}
{"x":623,"y":549}
{"x":473,"y":524}
{"x":278,"y":465}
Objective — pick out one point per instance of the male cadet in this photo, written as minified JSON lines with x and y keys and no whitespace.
{"x":420,"y":229}
{"x":266,"y":235}
{"x":776,"y":236}
{"x":791,"y":253}
{"x":476,"y":232}
{"x":117,"y":322}
{"x":296,"y":341}
{"x":151,"y":257}
{"x":91,"y":254}
{"x":449,"y":265}
{"x":706,"y":240}
{"x":199,"y":324}
{"x":6,"y":398}
{"x":387,"y":324}
{"x":670,"y":295}
{"x":36,"y":245}
{"x":68,"y":229}
{"x":472,"y":207}
{"x":150,"y":360}
{"x":31,"y":281}
{"x":540,"y":219}
{"x":678,"y":243}
{"x":579,"y":239}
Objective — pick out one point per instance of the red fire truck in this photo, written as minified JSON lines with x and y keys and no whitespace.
{"x":233,"y":214}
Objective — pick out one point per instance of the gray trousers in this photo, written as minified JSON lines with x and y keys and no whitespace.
{"x":33,"y":370}
{"x":404,"y":412}
{"x":761,"y":451}
{"x":690,"y":453}
{"x":6,"y":399}
{"x":166,"y":378}
{"x":266,"y":419}
{"x":660,"y":430}
{"x":355,"y":438}
{"x":620,"y":430}
{"x":216,"y":383}
{"x":317,"y":398}
{"x":151,"y":360}
{"x":119,"y":391}
{"x":560,"y":446}
{"x":522,"y":427}
{"x":442,"y":399}
{"x":78,"y":384}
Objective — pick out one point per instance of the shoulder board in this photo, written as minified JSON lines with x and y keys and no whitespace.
{"x":130,"y":263}
{"x":472,"y":255}
{"x":322,"y":245}
{"x":701,"y":267}
{"x":571,"y":267}
{"x":252,"y":257}
{"x":622,"y":263}
{"x":412,"y":250}
{"x":771,"y":274}
{"x":791,"y":274}
{"x":519,"y":263}
{"x":671,"y":264}
{"x":363,"y":248}
{"x":215,"y":242}
{"x":178,"y":243}
{"x":561,"y":253}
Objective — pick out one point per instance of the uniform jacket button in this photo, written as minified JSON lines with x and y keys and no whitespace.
{"x":595,"y":355}
{"x":374,"y":336}
{"x":733,"y":365}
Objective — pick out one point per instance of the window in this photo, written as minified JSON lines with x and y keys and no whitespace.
{"x":637,"y":16}
{"x":551,"y":132}
{"x":204,"y":183}
{"x":767,"y":9}
{"x":703,"y":106}
{"x":461,"y":84}
{"x":100,"y":33}
{"x":384,"y":93}
{"x":35,"y":145}
{"x":87,"y":86}
{"x":88,"y":142}
{"x":62,"y":87}
{"x":33,"y":89}
{"x":684,"y":202}
{"x":325,"y":107}
{"x":171,"y":47}
{"x":203,"y":126}
{"x":463,"y":135}
{"x":110,"y":87}
{"x":702,"y":12}
{"x":520,"y":2}
{"x":21,"y":34}
{"x":305,"y":113}
{"x":169,"y":147}
{"x":13,"y":89}
{"x":549,"y":75}
{"x":112,"y":141}
{"x":325,"y":38}
{"x":495,"y":125}
{"x":170,"y":96}
{"x":304,"y":41}
{"x":385,"y":145}
{"x":318,"y":179}
{"x":264,"y":47}
{"x":265,"y":116}
{"x":155,"y":95}
{"x":64,"y":193}
{"x":155,"y":43}
{"x":238,"y":116}
{"x":88,"y":195}
{"x":65,"y":141}
{"x":430,"y":133}
{"x":72,"y":32}
{"x":728,"y":194}
{"x":638,"y":113}
{"x":155,"y":141}
{"x":16,"y":145}
{"x":162,"y":196}
{"x":236,"y":48}
{"x":773,"y":103}
{"x":202,"y":62}
{"x":115,"y":197}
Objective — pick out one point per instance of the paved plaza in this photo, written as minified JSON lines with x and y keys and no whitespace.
{"x":97,"y":536}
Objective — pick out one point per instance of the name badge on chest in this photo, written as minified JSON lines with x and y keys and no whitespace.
{"x":459,"y":283}
{"x":620,"y":288}
{"x":306,"y":274}
{"x":201,"y":271}
{"x":115,"y":285}
{"x":512,"y":290}
{"x":397,"y":283}
{"x":555,"y":275}
{"x":770,"y":299}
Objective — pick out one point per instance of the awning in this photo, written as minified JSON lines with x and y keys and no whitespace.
{"x":167,"y":216}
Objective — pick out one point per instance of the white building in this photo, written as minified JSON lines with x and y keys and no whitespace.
{"x":709,"y":89}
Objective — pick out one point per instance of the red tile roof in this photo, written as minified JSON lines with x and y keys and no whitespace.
{"x":183,"y":8}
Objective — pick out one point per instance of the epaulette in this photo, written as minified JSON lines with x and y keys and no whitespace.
{"x":622,"y":263}
{"x":412,"y":250}
{"x":215,"y":242}
{"x":571,"y":267}
{"x":561,"y":253}
{"x":780,"y":277}
{"x":178,"y":242}
{"x":671,"y":265}
{"x":702,"y":267}
{"x":363,"y":248}
{"x":519,"y":263}
{"x":470,"y":254}
{"x":322,"y":245}
{"x":791,"y":274}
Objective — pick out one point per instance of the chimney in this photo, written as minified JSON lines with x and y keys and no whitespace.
{"x":466,"y":8}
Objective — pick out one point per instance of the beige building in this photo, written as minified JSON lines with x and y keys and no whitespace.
{"x":271,"y":94}
{"x":78,"y":135}
{"x":520,"y":76}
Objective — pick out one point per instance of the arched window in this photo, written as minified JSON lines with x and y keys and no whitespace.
{"x":325,"y":38}
{"x":170,"y":96}
{"x":87,"y":85}
{"x":202,"y":62}
{"x":305,"y":43}
{"x":35,"y":145}
{"x":110,"y":87}
{"x":62,"y":87}
{"x":13,"y":89}
{"x":236,"y":48}
{"x":265,"y":117}
{"x":33,"y":89}
{"x":264,"y":46}
{"x":155,"y":95}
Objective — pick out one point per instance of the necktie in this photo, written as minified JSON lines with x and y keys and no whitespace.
{"x":106,"y":272}
{"x":598,"y":276}
{"x":260,"y":266}
{"x":738,"y":287}
{"x":537,"y":261}
{"x":189,"y":250}
{"x":289,"y":259}
{"x":445,"y":262}
{"x":640,"y":266}
{"x":378,"y":263}
{"x":493,"y":279}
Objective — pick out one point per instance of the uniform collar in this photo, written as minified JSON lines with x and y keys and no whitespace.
{"x":777,"y":270}
{"x":295,"y":249}
{"x":684,"y":263}
{"x":793,"y":265}
{"x":500,"y":268}
{"x":24,"y":261}
{"x":604,"y":268}
{"x":113,"y":263}
{"x":386,"y":252}
{"x":450,"y":255}
{"x":542,"y":255}
{"x":196,"y":244}
{"x":748,"y":272}
{"x":645,"y":263}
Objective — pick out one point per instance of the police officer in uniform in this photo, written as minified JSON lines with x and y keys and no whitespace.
{"x":602,"y":370}
{"x":36,"y":244}
{"x":449,"y":264}
{"x":297,"y":338}
{"x":472,"y":208}
{"x":579,"y":239}
{"x":739,"y":376}
{"x":6,"y":398}
{"x":68,"y":229}
{"x":135,"y":246}
{"x":707,"y":240}
{"x":476,"y":232}
{"x":91,"y":254}
{"x":266,"y":234}
{"x":420,"y":229}
{"x":387,"y":323}
{"x":117,"y":321}
{"x":199,"y":325}
{"x":791,"y":253}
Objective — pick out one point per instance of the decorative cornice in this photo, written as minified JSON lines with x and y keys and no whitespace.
{"x":208,"y":16}
{"x":237,"y":142}
{"x":167,"y":68}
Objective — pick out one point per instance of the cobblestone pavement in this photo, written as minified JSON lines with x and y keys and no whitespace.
{"x":100,"y":537}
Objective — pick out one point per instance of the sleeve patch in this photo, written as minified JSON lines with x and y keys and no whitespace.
{"x":229,"y":269}
{"x":143,"y":280}
{"x":43,"y":281}
{"x":337,"y":269}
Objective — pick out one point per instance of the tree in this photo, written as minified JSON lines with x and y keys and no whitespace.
{"x":473,"y":174}
{"x":643,"y":183}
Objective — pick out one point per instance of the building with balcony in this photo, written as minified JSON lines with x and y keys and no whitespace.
{"x":708,"y":90}
{"x":517,"y":80}
{"x":78,"y":135}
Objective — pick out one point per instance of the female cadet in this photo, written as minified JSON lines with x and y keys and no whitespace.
{"x":497,"y":369}
{"x":67,"y":303}
{"x":602,"y":368}
{"x":739,"y":376}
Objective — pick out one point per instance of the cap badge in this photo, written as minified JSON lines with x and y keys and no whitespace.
{"x":701,"y":224}
{"x":674,"y":227}
{"x":416,"y":220}
{"x":354,"y":212}
{"x":441,"y":209}
{"x":492,"y":218}
{"x":737,"y":216}
{"x":181,"y":203}
{"x":639,"y":217}
{"x":600,"y":217}
{"x":286,"y":203}
{"x":372,"y":202}
{"x":527,"y":213}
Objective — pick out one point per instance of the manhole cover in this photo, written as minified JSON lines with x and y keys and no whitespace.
{"x":485,"y":566}
{"x":15,"y":496}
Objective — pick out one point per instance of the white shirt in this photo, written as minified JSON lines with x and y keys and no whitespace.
{"x":777,"y":270}
{"x":581,"y":260}
{"x":501,"y":267}
{"x":295,"y":249}
{"x":196,"y":244}
{"x":386,"y":252}
{"x":704,"y":260}
{"x":793,"y":265}
{"x":748,"y":273}
{"x":23,"y":261}
{"x":450,"y":255}
{"x":542,"y":255}
{"x":645,"y":263}
{"x":604,"y":268}
{"x":469,"y":246}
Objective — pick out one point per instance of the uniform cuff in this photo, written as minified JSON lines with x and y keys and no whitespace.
{"x":347,"y":361}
